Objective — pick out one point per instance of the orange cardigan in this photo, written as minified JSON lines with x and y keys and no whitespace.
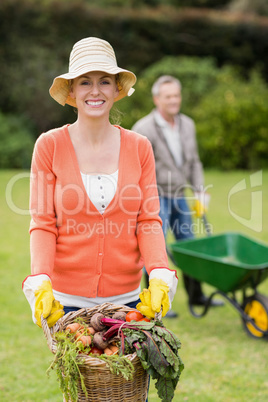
{"x":86,"y":253}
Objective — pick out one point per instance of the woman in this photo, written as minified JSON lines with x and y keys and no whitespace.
{"x":94,"y":202}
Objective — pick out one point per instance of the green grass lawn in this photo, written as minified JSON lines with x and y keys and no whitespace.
{"x":221,"y":362}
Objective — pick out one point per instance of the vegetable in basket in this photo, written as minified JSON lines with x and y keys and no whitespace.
{"x":71,"y":352}
{"x":156,"y":347}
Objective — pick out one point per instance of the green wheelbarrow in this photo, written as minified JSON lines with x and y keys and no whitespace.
{"x":229,"y":262}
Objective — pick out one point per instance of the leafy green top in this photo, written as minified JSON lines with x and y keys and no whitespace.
{"x":157,"y":349}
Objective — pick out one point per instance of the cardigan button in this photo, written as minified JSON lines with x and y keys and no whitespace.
{"x":100,"y":254}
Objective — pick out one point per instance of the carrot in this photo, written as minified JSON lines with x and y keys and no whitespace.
{"x":90,"y":330}
{"x":78,"y":335}
{"x":72,"y":327}
{"x":113,"y":348}
{"x":108,"y":351}
{"x":86,"y":340}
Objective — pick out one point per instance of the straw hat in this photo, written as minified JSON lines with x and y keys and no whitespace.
{"x":91,"y":54}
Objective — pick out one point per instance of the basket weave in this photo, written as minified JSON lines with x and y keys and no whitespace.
{"x":101,"y":384}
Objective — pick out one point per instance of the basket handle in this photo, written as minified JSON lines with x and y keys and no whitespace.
{"x":158,"y":316}
{"x":47,"y":332}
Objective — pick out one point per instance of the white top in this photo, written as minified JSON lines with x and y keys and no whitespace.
{"x":87,"y":302}
{"x":100,"y":188}
{"x":172,"y":136}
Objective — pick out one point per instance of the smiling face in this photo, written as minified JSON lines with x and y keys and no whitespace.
{"x":94,"y":93}
{"x":168,"y":101}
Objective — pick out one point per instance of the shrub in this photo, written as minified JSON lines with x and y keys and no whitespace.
{"x":197,"y":76}
{"x":232,"y":123}
{"x":16,"y":142}
{"x":37,"y":36}
{"x":230,"y":112}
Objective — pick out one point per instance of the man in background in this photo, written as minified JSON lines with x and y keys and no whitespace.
{"x":177,"y":163}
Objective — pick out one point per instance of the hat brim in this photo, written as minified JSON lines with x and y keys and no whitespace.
{"x":60,"y":89}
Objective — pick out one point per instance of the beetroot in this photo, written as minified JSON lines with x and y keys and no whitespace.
{"x":98,"y":341}
{"x":119,"y":315}
{"x":96,"y":323}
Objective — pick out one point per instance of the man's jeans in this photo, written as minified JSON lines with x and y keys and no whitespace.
{"x":176,"y":216}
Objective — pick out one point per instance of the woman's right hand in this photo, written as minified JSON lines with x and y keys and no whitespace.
{"x":39,"y":293}
{"x":46,"y":305}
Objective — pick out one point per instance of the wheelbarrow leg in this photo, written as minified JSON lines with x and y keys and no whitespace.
{"x":193,"y":288}
{"x":196,"y":295}
{"x":207,"y":304}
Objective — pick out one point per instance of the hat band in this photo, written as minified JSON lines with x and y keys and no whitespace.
{"x":76,"y":64}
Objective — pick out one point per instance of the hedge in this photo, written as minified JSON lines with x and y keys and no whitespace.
{"x":16,"y":142}
{"x":230,"y":112}
{"x":232,"y":123}
{"x":36,"y":39}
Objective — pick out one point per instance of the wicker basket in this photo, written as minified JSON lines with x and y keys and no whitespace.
{"x":100,"y":383}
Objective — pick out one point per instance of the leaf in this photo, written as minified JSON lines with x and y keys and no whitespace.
{"x":165,"y":388}
{"x":143,"y":325}
{"x":181,"y":364}
{"x":157,"y":350}
{"x":142,"y":353}
{"x":171,"y":357}
{"x":66,"y":363}
{"x":155,"y":356}
{"x":132,"y":336}
{"x":119,"y":365}
{"x":169,"y":336}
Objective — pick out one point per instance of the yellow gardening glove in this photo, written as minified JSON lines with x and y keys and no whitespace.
{"x":199,"y":209}
{"x":145,"y":307}
{"x":46,"y":305}
{"x":56,"y":313}
{"x":154,"y":298}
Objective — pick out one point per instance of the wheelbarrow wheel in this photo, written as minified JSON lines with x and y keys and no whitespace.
{"x":256,"y":307}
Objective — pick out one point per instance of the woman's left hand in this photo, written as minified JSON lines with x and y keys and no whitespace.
{"x":154,"y":298}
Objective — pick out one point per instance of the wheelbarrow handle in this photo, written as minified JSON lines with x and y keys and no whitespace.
{"x":206,"y":225}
